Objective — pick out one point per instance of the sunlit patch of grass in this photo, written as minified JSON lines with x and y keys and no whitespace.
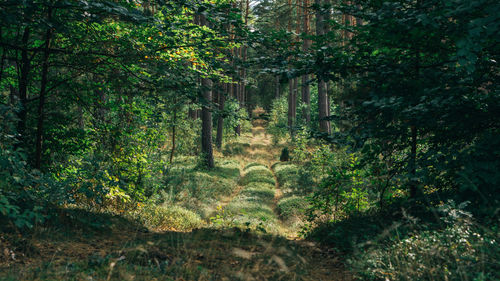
{"x":168,"y":217}
{"x":263,"y":192}
{"x":254,"y":164}
{"x":258,"y":174}
{"x":252,"y":212}
{"x":292,"y":207}
{"x":287,"y":174}
{"x":200,"y":189}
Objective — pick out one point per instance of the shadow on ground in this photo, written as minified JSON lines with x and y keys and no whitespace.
{"x":124,"y":251}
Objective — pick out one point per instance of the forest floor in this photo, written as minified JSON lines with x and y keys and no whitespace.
{"x":126,"y":250}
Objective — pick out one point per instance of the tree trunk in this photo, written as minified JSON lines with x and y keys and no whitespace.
{"x":292,"y":105}
{"x":277,"y":87}
{"x":206,"y":117}
{"x":220,"y":121}
{"x":306,"y":92}
{"x":25,"y":69}
{"x":412,"y":162}
{"x":323,"y":110}
{"x":174,"y":123}
{"x":43,"y":88}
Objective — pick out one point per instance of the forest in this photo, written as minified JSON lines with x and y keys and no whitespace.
{"x":249,"y":140}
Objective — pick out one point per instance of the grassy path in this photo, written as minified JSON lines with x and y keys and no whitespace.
{"x":245,"y":240}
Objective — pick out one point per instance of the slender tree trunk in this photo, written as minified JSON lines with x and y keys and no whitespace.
{"x":323,"y":110}
{"x":174,"y":124}
{"x":220,"y":121}
{"x":277,"y":87}
{"x":290,"y":106}
{"x":25,"y":69}
{"x":306,"y":92}
{"x":2,"y":61}
{"x":292,"y":84}
{"x":413,"y":131}
{"x":43,"y":88}
{"x":412,"y":162}
{"x":206,"y":117}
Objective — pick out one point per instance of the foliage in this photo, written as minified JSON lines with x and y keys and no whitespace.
{"x":278,"y":122}
{"x":462,"y":250}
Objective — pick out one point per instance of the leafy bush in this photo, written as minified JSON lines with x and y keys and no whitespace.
{"x":26,"y":195}
{"x":278,"y":119}
{"x":234,"y":116}
{"x":460,"y":251}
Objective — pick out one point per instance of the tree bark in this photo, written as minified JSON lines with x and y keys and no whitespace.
{"x":323,"y":110}
{"x":306,"y":92}
{"x":43,"y":88}
{"x":220,"y":120}
{"x":206,"y":117}
{"x":174,"y":123}
{"x":25,"y":69}
{"x":412,"y":162}
{"x":277,"y":87}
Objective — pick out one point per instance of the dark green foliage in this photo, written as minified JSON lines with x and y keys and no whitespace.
{"x":285,"y":155}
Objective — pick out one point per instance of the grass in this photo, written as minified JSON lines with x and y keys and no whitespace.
{"x":292,"y":207}
{"x":212,"y":240}
{"x":258,"y":173}
{"x":413,"y":241}
{"x":235,"y":148}
{"x":199,"y":189}
{"x":287,"y":175}
{"x":261,"y":191}
{"x":203,"y":254}
{"x":169,"y":217}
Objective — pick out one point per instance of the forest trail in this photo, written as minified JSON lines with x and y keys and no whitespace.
{"x":217,"y":251}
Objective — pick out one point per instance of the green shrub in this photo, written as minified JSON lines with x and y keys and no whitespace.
{"x":278,"y":119}
{"x":460,"y":251}
{"x":293,"y":206}
{"x":168,"y":217}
